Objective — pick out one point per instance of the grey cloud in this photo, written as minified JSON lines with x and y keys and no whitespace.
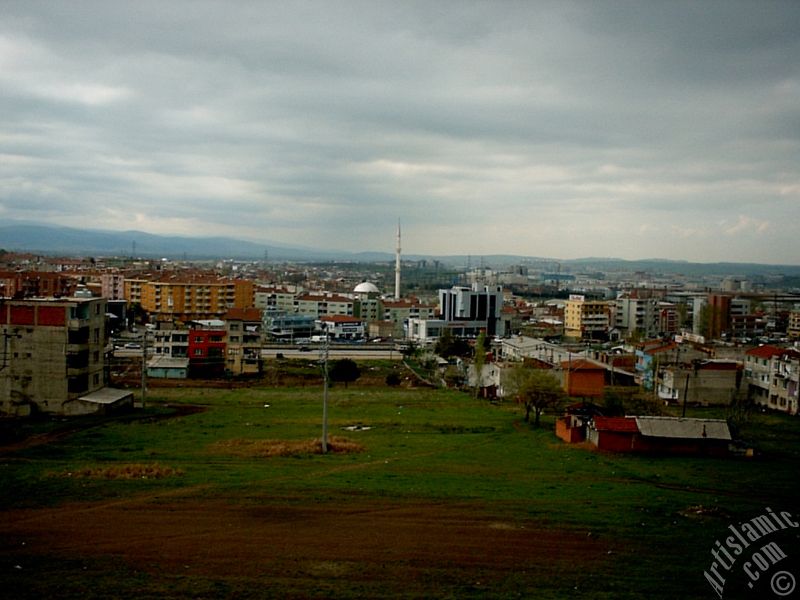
{"x":596,"y":119}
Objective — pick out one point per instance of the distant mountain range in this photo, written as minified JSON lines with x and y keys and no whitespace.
{"x":88,"y":242}
{"x":50,"y":240}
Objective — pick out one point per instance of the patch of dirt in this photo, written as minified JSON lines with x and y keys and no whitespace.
{"x":393,"y":541}
{"x":126,"y":471}
{"x":270,"y":448}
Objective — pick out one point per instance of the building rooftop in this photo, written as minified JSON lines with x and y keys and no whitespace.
{"x":676,"y":427}
{"x":765,"y":351}
{"x":620,"y":424}
{"x":366,"y":287}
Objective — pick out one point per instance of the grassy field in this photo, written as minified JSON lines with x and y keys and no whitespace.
{"x":537,"y":518}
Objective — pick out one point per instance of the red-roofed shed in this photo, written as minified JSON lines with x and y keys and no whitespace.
{"x":615,"y":434}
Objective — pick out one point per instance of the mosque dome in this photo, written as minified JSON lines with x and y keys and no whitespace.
{"x":366,"y":287}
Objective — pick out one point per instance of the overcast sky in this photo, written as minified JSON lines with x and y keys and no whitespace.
{"x":625,"y":129}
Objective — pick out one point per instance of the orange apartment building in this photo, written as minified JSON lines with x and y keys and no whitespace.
{"x":189,"y":298}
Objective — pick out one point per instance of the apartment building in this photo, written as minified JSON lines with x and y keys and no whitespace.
{"x":758,"y":371}
{"x":586,"y":319}
{"x":793,"y":325}
{"x":132,"y":289}
{"x":112,"y":285}
{"x":192,"y":298}
{"x":785,"y":383}
{"x":703,"y":383}
{"x":399,"y":312}
{"x":668,"y":318}
{"x":274,"y":299}
{"x":35,"y":284}
{"x":207,"y":345}
{"x":243,"y":328}
{"x":637,"y":317}
{"x":173,"y":343}
{"x":772,"y":375}
{"x":323,"y":304}
{"x":52,"y":358}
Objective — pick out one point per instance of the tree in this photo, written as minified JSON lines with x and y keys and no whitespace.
{"x":479,"y":360}
{"x":536,"y":389}
{"x":448,"y":345}
{"x":344,"y":370}
{"x":393,"y":379}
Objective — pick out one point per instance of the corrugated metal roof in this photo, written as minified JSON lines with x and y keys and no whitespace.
{"x":675,"y":427}
{"x":168,"y":362}
{"x":106,"y":396}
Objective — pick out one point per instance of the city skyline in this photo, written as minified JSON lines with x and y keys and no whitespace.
{"x":545,"y":129}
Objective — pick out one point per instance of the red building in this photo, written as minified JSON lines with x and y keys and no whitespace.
{"x":207,"y":348}
{"x":583,"y":378}
{"x":660,"y":435}
{"x":615,"y":434}
{"x":720,"y":314}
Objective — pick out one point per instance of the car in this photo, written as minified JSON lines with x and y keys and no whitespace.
{"x":133,"y":346}
{"x":305,"y":349}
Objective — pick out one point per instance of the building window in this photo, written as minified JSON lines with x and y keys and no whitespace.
{"x":198,"y":352}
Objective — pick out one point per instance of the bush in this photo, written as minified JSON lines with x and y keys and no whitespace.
{"x":393,"y":380}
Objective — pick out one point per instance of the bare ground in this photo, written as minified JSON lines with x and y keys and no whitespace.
{"x":399,"y":545}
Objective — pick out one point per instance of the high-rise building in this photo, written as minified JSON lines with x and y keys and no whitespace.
{"x":473,"y":304}
{"x":52,"y":358}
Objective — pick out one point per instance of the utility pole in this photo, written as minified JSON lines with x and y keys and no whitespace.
{"x":144,"y":368}
{"x":397,"y":265}
{"x":323,"y":359}
{"x":685,"y":395}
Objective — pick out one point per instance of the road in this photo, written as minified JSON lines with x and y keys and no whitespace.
{"x":355,"y":353}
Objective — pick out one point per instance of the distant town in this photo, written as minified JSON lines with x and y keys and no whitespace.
{"x":82,"y":335}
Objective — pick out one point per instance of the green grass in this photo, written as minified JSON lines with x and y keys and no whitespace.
{"x":430,"y":445}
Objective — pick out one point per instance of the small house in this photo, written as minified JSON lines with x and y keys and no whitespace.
{"x":166,"y":367}
{"x":583,"y":377}
{"x":571,"y":427}
{"x":660,"y":435}
{"x":615,"y":434}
